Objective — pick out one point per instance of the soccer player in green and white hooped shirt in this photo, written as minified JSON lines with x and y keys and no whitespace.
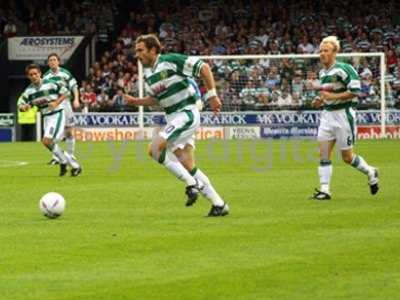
{"x":169,"y":83}
{"x":48,"y":96}
{"x":65,"y":78}
{"x":340,"y":86}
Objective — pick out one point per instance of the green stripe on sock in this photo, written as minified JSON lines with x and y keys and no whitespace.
{"x":356,"y":161}
{"x":161,"y":159}
{"x":50,"y":147}
{"x":325,"y":162}
{"x":194,"y":170}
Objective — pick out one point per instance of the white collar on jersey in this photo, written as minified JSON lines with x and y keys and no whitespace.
{"x":57,"y":70}
{"x":155,"y":63}
{"x":37,"y":86}
{"x":330,"y":68}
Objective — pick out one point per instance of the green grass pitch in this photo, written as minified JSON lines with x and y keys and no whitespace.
{"x":126,"y":233}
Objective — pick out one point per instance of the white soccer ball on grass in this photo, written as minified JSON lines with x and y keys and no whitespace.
{"x":52,"y":205}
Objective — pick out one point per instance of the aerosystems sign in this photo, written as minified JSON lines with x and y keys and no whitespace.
{"x":39,"y":47}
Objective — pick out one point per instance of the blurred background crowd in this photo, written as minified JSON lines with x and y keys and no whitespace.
{"x":223,"y":28}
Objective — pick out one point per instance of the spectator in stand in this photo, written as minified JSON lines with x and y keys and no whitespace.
{"x":130,"y":87}
{"x":367,"y":95}
{"x":10,"y":29}
{"x":273,"y":78}
{"x":305,"y":45}
{"x":83,"y":86}
{"x":274,"y":97}
{"x":125,"y":82}
{"x":396,"y":90}
{"x":230,"y":98}
{"x":98,"y":81}
{"x":88,"y":99}
{"x":274,"y":47}
{"x":118,"y":100}
{"x":59,"y":17}
{"x":391,"y":60}
{"x":125,"y":38}
{"x":104,"y":102}
{"x":251,"y":28}
{"x":248,"y":95}
{"x":298,"y":83}
{"x":284,"y":99}
{"x":262,"y":96}
{"x":297,"y":101}
{"x":311,"y":88}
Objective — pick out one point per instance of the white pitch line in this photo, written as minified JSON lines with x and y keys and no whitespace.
{"x":12,"y":163}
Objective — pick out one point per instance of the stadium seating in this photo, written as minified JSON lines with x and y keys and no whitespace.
{"x":225,"y":27}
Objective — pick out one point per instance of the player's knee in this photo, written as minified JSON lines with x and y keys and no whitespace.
{"x":156,"y":149}
{"x":187,"y":162}
{"x":347,"y":158}
{"x":162,"y":145}
{"x":47,"y":142}
{"x":68,"y":132}
{"x":150,"y":150}
{"x":187,"y":165}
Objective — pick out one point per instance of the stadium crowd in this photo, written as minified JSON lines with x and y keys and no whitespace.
{"x":44,"y":17}
{"x":233,"y":27}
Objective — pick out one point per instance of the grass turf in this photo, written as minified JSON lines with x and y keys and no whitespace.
{"x":126,"y":233}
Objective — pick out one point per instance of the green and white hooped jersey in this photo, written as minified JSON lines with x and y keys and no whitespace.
{"x":170,"y":81}
{"x":339,"y":78}
{"x":64,"y":78}
{"x":42,"y":95}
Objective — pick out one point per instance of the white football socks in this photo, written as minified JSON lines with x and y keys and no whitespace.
{"x":325,"y":174}
{"x":208,"y":190}
{"x":71,"y":161}
{"x":171,"y":162}
{"x":63,"y":157}
{"x":360,"y":164}
{"x":70,"y":143}
{"x":59,"y":153}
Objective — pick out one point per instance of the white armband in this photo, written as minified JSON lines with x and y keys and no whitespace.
{"x":210,"y":93}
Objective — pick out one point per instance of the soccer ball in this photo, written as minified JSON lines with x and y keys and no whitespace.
{"x":52,"y":205}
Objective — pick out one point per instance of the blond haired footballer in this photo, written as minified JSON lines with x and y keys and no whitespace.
{"x":340,"y":85}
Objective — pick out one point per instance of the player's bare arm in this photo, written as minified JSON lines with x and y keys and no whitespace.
{"x":76,"y":104}
{"x":55,"y":103}
{"x":324,"y":95}
{"x":209,"y":83}
{"x":24,"y":107}
{"x":146,"y":101}
{"x":318,"y":102}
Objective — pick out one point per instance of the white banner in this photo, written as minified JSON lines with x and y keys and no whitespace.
{"x":97,"y":134}
{"x":39,"y":47}
{"x":112,"y":134}
{"x":205,"y":133}
{"x":244,"y":132}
